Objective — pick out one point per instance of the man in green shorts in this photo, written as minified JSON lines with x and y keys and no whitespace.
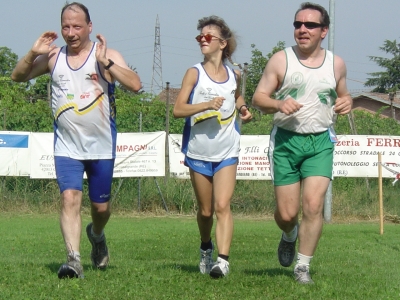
{"x":309,"y":83}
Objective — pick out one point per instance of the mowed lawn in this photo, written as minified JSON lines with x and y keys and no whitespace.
{"x":157,"y":258}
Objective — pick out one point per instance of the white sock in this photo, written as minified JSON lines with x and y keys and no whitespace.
{"x":290,"y":236}
{"x":97,"y":237}
{"x":303,"y":259}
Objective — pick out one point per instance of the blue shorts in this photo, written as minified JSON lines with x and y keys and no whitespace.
{"x":208,"y":168}
{"x":99,"y":174}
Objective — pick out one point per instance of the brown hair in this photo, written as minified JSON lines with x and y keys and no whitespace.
{"x":324,"y":14}
{"x":226,"y":34}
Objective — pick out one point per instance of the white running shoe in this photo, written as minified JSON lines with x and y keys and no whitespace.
{"x":206,"y":261}
{"x":302,"y":274}
{"x":220,"y":268}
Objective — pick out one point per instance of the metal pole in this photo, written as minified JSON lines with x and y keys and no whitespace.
{"x":139,"y":181}
{"x":328,"y":195}
{"x":244,"y":79}
{"x":167,"y":136}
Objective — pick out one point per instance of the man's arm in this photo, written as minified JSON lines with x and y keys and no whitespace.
{"x":119,"y":71}
{"x":36,"y":61}
{"x":344,"y":102}
{"x":270,"y":81}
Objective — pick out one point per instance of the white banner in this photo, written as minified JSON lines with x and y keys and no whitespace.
{"x":143,"y":154}
{"x":138,"y":154}
{"x":253,"y":160}
{"x":176,"y":167}
{"x":354,"y":156}
{"x":357,"y":155}
{"x":14,"y":153}
{"x":42,"y":159}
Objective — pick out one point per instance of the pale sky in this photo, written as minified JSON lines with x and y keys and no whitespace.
{"x":360,"y":28}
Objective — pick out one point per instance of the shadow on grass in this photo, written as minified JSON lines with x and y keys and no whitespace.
{"x":270,"y":272}
{"x":53,"y":267}
{"x":185,"y":268}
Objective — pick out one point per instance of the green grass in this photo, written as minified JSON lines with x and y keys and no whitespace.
{"x":157,"y":257}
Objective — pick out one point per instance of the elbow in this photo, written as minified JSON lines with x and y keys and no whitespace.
{"x":16,"y":78}
{"x":176,"y":113}
{"x":254,"y":102}
{"x":135,"y":86}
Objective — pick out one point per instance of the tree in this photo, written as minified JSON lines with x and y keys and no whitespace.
{"x":8,"y":61}
{"x":256,"y":67}
{"x":389,"y":80}
{"x":39,"y":89}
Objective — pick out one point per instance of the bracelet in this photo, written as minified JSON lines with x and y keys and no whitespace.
{"x":28,"y":62}
{"x":240,"y":108}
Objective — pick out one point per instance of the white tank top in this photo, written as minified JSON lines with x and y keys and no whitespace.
{"x":212,"y":135}
{"x":315,"y":88}
{"x":83,"y":107}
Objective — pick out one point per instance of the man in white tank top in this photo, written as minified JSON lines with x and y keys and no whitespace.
{"x":309,"y":89}
{"x":83,"y":76}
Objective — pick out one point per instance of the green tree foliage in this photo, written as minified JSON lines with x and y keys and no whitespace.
{"x":388,"y":80}
{"x":144,"y":113}
{"x":38,"y":90}
{"x":8,"y":61}
{"x":256,"y":67}
{"x":19,"y":114}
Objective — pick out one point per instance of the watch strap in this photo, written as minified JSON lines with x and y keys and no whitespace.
{"x":110,"y":63}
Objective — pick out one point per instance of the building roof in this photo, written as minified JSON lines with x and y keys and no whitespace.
{"x":173,"y":94}
{"x":380,"y":97}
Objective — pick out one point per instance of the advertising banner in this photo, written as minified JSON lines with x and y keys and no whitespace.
{"x":14,"y":153}
{"x":138,"y":154}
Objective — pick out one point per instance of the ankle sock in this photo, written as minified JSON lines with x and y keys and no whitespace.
{"x":97,"y":237}
{"x":225,"y":257}
{"x":290,"y":236}
{"x":205,"y":246}
{"x":303,"y":259}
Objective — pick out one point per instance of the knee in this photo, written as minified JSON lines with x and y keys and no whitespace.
{"x":222,"y":207}
{"x":71,"y":199}
{"x":286,"y":216}
{"x":313,"y":210}
{"x":206,"y":213}
{"x":101,"y":208}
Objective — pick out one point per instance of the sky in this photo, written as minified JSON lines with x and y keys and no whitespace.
{"x":360,"y":28}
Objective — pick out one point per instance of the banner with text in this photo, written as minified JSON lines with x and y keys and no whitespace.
{"x":253,"y":160}
{"x":138,"y":154}
{"x":354,"y":156}
{"x":357,"y":155}
{"x":14,"y":153}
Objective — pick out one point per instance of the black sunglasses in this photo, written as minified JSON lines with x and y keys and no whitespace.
{"x":308,"y":25}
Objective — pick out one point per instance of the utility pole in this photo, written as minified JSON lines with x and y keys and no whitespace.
{"x":167,"y":134}
{"x":328,"y":195}
{"x":391,"y":98}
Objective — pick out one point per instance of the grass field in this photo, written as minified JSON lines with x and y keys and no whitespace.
{"x":157,"y":257}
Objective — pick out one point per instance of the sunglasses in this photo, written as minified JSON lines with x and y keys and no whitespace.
{"x":308,"y":25}
{"x":208,"y":37}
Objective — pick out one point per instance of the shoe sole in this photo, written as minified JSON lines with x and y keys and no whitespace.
{"x":216,"y":273}
{"x":68,"y":272}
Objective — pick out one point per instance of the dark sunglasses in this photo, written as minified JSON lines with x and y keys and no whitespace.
{"x":308,"y":25}
{"x":208,"y":37}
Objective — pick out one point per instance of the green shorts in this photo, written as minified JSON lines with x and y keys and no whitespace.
{"x":294,"y":156}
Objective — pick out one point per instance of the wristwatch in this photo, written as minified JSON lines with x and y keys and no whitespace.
{"x":109,"y":64}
